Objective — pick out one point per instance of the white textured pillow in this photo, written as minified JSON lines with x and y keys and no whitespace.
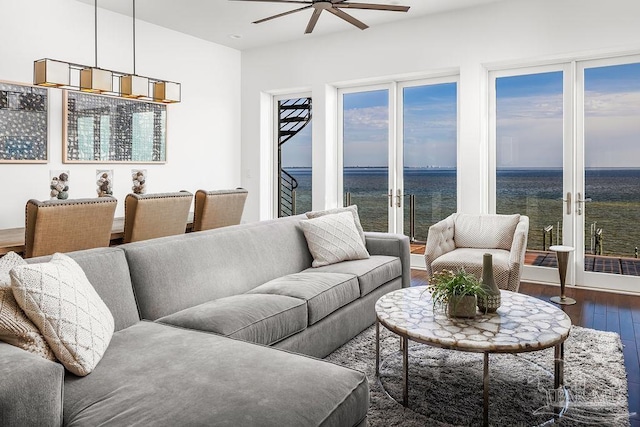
{"x":352,"y":208}
{"x":333,"y":238}
{"x":485,"y":231}
{"x":60,"y":301}
{"x":15,"y":327}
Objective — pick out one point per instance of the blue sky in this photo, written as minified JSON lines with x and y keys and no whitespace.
{"x":529,"y":123}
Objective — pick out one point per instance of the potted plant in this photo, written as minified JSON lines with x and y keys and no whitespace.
{"x":457,"y":291}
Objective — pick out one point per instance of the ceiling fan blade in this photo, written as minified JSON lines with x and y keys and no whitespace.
{"x":279,"y":1}
{"x":312,"y":22}
{"x":280,"y":14}
{"x":350,"y":19}
{"x":371,"y":6}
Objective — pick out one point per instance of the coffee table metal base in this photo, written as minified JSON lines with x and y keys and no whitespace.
{"x":558,"y":375}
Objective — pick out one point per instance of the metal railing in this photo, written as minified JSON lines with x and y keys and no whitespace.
{"x":288,"y":185}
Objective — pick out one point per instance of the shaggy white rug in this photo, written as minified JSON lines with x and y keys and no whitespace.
{"x":445,"y":386}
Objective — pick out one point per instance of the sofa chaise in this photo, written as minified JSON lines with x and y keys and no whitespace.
{"x":220,"y":327}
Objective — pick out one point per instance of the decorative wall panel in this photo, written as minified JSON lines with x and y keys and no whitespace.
{"x":23,"y":123}
{"x":103,"y":129}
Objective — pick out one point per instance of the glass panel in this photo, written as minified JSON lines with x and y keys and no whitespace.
{"x":365,"y":156}
{"x":294,"y":138}
{"x":429,"y":145}
{"x":612,"y":167}
{"x":529,"y":155}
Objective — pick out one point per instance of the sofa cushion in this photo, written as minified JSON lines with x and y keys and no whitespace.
{"x":333,"y":238}
{"x":372,"y":272}
{"x":178,"y":272}
{"x":485,"y":231}
{"x":263,"y":319}
{"x":352,"y":208}
{"x":158,"y":375}
{"x":108,"y":273}
{"x":15,"y":327}
{"x":60,"y":301}
{"x":471,"y":260}
{"x":324,"y":292}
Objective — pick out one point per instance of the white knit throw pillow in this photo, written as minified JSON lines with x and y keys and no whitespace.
{"x":15,"y":327}
{"x":60,"y":301}
{"x":333,"y":238}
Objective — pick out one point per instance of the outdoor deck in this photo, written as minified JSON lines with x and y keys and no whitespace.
{"x":595,"y":263}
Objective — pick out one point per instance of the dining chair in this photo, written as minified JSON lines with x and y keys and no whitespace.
{"x":67,"y":225}
{"x":148,"y":216}
{"x":220,"y":208}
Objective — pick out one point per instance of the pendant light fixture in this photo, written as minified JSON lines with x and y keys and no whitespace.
{"x":66,"y":75}
{"x":94,"y":79}
{"x":132,"y":85}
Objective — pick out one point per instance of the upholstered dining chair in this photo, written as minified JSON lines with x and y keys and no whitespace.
{"x":461,"y":240}
{"x":214,"y":209}
{"x":68,"y":225}
{"x":148,"y":216}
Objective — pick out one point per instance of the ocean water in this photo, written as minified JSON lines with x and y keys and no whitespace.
{"x":615,"y":205}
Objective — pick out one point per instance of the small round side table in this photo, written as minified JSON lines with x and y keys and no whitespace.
{"x":562,"y":255}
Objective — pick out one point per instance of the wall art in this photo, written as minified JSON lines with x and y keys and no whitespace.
{"x":23,"y":123}
{"x":104,"y":129}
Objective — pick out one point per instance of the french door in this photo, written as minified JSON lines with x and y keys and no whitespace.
{"x":564,"y":139}
{"x":399,"y":152}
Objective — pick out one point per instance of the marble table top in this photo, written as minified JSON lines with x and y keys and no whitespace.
{"x":522,"y":323}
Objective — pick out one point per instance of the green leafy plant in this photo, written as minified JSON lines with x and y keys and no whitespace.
{"x":449,"y":287}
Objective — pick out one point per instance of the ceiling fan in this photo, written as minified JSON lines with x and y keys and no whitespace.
{"x":333,"y":6}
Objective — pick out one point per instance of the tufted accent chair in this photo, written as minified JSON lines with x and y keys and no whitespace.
{"x":67,"y":225}
{"x":148,"y":216}
{"x":220,"y":208}
{"x":460,"y":240}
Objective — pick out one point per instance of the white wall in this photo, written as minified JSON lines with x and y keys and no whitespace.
{"x":468,"y":41}
{"x":203,"y":131}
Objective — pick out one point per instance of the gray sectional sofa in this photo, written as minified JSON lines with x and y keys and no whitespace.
{"x":215,"y":328}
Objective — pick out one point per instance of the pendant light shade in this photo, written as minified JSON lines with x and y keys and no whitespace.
{"x":87,"y":78}
{"x":133,"y":86}
{"x":96,"y":80}
{"x":167,"y":92}
{"x":47,"y":72}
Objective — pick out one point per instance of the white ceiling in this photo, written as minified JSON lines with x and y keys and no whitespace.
{"x":228,"y":22}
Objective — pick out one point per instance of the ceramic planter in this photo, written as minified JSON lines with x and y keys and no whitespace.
{"x":462,"y":306}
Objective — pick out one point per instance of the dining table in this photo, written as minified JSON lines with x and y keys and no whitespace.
{"x":12,"y":239}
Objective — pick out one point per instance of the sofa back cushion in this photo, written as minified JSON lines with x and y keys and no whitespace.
{"x":485,"y":231}
{"x":174,"y":273}
{"x":108,"y":273}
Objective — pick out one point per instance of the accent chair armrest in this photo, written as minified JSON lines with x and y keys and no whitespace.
{"x":440,"y":240}
{"x":392,"y":245}
{"x":31,"y":389}
{"x":517,"y":253}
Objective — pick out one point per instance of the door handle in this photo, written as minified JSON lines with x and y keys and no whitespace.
{"x":399,"y":199}
{"x":580,"y":203}
{"x":390,"y":196}
{"x":568,"y":202}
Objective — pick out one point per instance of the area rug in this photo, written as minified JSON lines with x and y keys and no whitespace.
{"x":445,"y":386}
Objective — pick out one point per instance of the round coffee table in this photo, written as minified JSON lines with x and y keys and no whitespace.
{"x":521,"y":324}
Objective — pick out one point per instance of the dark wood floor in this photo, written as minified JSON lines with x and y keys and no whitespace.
{"x":604,"y":311}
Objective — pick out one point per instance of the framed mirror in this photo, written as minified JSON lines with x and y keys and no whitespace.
{"x":23,"y":123}
{"x":104,"y":129}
